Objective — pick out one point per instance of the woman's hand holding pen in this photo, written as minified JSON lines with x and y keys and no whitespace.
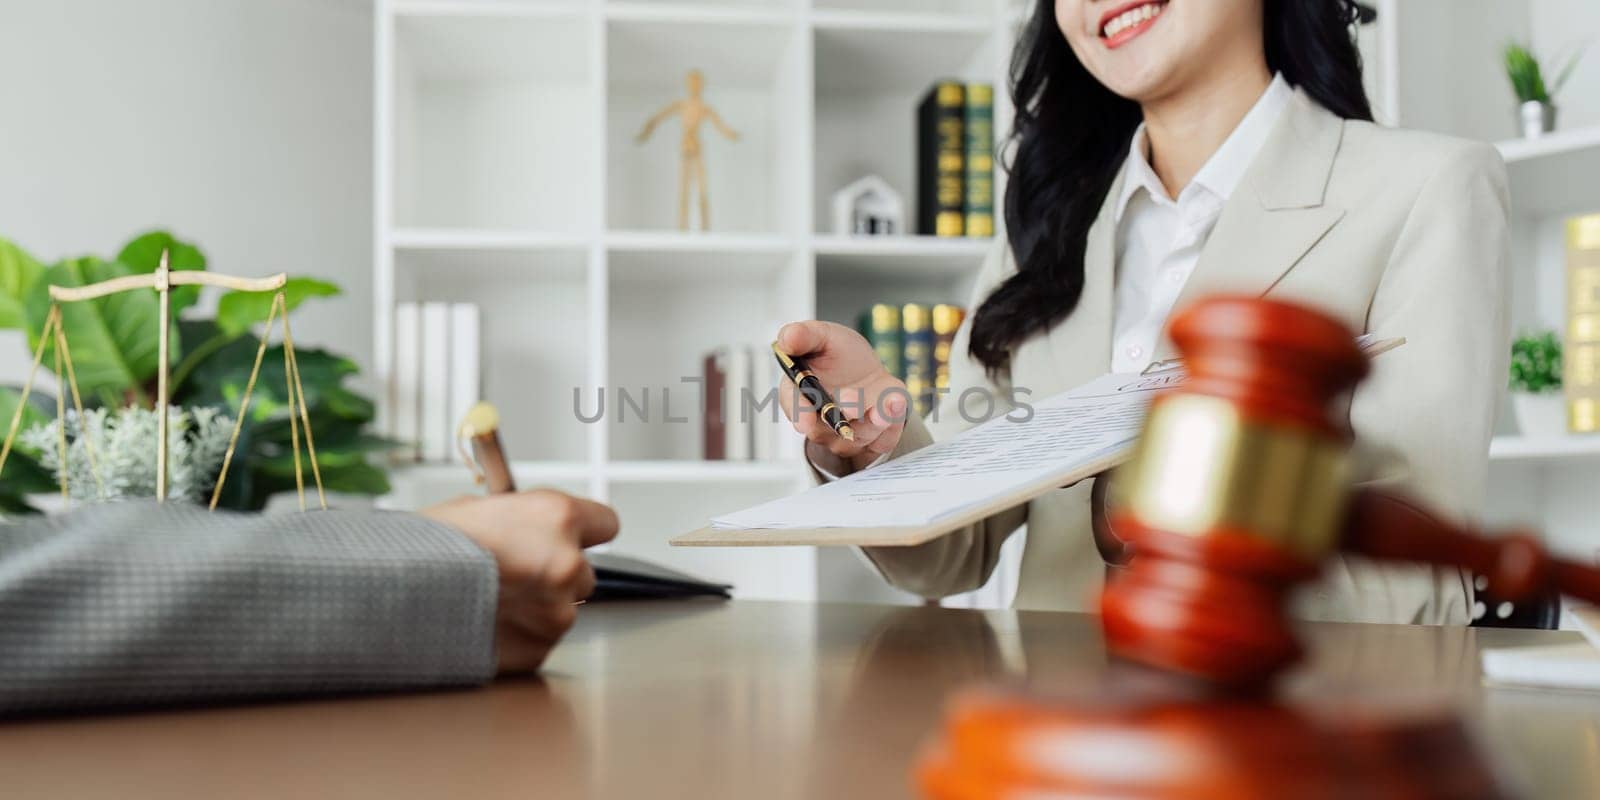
{"x":874,"y":402}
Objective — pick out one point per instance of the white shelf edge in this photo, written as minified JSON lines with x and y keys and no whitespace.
{"x":523,"y":471}
{"x":920,"y":22}
{"x":676,"y":241}
{"x":1554,"y":144}
{"x":471,"y":239}
{"x":696,"y":14}
{"x":472,"y":8}
{"x":1531,"y":448}
{"x":842,"y":245}
{"x":695,"y":471}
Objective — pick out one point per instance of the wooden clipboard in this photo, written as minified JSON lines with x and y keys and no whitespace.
{"x":896,"y":536}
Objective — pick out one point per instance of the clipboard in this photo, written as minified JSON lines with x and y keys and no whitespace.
{"x":913,"y":535}
{"x":908,"y":536}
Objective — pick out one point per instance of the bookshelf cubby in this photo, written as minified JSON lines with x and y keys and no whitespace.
{"x":507,"y":174}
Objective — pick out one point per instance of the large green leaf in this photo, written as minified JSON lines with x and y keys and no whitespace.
{"x":237,"y":311}
{"x":221,"y":380}
{"x":362,"y":478}
{"x":113,"y":339}
{"x":336,"y":449}
{"x":18,"y":273}
{"x":143,"y":256}
{"x":22,"y":475}
{"x":15,"y":504}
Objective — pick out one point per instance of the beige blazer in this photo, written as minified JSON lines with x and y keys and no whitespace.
{"x":1398,"y":233}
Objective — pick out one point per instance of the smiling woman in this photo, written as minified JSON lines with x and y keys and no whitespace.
{"x":1164,"y":151}
{"x":1120,"y":25}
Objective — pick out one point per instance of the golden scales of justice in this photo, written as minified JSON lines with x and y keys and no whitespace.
{"x":162,"y":281}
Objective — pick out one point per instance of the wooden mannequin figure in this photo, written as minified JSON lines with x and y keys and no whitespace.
{"x":692,"y":111}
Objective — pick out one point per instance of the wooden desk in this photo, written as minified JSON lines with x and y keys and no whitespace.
{"x":740,"y":699}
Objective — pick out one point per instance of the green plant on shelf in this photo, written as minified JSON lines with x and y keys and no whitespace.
{"x":113,"y":346}
{"x":1536,"y":363}
{"x":1528,"y":78}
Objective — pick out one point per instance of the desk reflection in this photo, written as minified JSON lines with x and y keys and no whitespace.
{"x":713,"y":699}
{"x":453,"y":744}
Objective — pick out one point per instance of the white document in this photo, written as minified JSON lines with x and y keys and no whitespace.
{"x":436,"y":427}
{"x":1572,"y":666}
{"x":465,"y":384}
{"x":405,"y":422}
{"x":998,"y":457}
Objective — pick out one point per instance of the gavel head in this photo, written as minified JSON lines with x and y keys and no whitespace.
{"x":1235,"y":493}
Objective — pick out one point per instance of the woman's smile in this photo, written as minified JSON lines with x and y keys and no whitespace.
{"x":1124,"y":23}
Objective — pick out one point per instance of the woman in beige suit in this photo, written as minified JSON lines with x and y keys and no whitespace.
{"x":1167,"y":150}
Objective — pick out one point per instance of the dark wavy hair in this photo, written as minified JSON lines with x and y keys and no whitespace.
{"x":1071,"y":136}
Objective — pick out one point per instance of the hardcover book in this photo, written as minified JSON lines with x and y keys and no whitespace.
{"x":1581,"y":362}
{"x":917,"y":330}
{"x":946,"y":321}
{"x":880,"y":324}
{"x":978,"y":207}
{"x":438,"y":430}
{"x":940,"y":160}
{"x":714,"y":442}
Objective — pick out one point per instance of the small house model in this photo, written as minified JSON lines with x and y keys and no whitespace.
{"x":868,"y":207}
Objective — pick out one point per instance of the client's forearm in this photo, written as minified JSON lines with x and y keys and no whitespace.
{"x":136,"y":603}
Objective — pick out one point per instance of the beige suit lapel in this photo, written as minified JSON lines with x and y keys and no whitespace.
{"x":1277,"y":215}
{"x":1080,"y":346}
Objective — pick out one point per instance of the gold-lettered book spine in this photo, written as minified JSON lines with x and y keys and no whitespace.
{"x":979,"y":137}
{"x":1581,"y":362}
{"x":917,"y":333}
{"x":880,"y":324}
{"x":946,"y":321}
{"x":941,"y":160}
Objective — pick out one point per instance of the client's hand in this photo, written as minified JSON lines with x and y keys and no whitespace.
{"x":537,"y":539}
{"x":874,"y":401}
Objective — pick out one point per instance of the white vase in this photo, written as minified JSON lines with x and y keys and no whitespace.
{"x":1537,"y":118}
{"x":1542,"y":415}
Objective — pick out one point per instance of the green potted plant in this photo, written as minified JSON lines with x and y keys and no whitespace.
{"x":1537,"y":98}
{"x":112,"y":342}
{"x":1536,"y":397}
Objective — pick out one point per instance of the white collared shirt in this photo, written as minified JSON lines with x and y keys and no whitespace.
{"x":1159,"y":240}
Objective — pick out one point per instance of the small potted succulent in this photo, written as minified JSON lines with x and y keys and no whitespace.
{"x":1537,"y":98}
{"x":1536,"y":397}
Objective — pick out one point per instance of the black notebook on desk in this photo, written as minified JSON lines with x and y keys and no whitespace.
{"x":619,"y":577}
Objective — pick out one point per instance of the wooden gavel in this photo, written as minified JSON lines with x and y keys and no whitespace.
{"x":1240,"y":489}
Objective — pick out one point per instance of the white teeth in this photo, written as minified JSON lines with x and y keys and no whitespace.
{"x":1132,"y":17}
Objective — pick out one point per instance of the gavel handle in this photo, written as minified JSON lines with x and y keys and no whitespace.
{"x":1385,"y":527}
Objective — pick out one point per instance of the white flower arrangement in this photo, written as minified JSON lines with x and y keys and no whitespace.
{"x":124,"y":445}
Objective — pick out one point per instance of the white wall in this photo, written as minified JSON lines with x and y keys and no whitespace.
{"x":1560,"y":26}
{"x":243,"y":125}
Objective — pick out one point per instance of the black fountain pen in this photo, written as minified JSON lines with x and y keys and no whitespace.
{"x":812,"y":390}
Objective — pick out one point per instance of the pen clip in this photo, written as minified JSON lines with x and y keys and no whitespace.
{"x":1158,"y":367}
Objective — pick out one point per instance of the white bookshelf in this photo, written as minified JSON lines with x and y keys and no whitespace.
{"x":507,"y":175}
{"x":1455,"y":83}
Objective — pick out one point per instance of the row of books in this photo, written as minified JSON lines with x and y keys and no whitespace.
{"x":1581,"y":360}
{"x":955,"y":160}
{"x":436,"y":376}
{"x":741,"y":418}
{"x":913,"y":342}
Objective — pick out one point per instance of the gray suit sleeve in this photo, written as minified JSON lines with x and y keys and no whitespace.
{"x":136,"y":604}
